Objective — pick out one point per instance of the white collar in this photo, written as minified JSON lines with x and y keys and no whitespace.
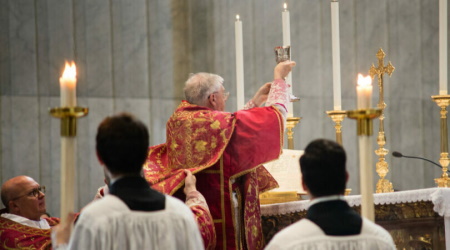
{"x":42,"y":224}
{"x":326,"y":198}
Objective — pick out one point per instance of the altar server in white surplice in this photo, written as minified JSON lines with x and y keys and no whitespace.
{"x":330,"y":222}
{"x":132,"y":216}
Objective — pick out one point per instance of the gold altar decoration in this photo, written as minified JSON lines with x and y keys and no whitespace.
{"x":68,"y":116}
{"x":272,"y":197}
{"x":290,"y":125}
{"x":364,"y":119}
{"x":443,"y":101}
{"x":382,"y":167}
{"x":337,"y":116}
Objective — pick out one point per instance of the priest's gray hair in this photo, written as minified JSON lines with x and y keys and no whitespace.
{"x":200,"y":85}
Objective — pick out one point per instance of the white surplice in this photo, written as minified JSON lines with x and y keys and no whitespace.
{"x":109,"y":224}
{"x":305,"y":235}
{"x":41,"y":224}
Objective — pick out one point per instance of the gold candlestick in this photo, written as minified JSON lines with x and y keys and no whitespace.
{"x":290,"y":125}
{"x":443,"y":101}
{"x":364,"y":119}
{"x":68,"y":116}
{"x":337,"y":116}
{"x":383,"y":185}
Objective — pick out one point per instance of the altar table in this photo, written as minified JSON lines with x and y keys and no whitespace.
{"x":416,"y":219}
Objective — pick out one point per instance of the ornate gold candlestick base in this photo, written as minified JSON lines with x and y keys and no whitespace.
{"x":290,"y":125}
{"x":443,"y":101}
{"x":69,"y":117}
{"x":337,"y":116}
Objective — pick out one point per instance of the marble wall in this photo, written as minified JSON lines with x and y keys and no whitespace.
{"x":134,"y":55}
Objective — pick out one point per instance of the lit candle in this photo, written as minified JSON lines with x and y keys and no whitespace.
{"x":364,"y":97}
{"x":68,"y":83}
{"x":239,"y":63}
{"x":287,"y":42}
{"x":68,"y":144}
{"x":364,"y":92}
{"x":443,"y":47}
{"x":336,"y":54}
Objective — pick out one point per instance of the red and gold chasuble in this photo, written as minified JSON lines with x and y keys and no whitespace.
{"x":14,"y":235}
{"x":225,"y":151}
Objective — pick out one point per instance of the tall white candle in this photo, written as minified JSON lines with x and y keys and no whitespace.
{"x":68,"y":83}
{"x":366,"y":177}
{"x":336,"y":55}
{"x":68,"y":162}
{"x":364,"y":95}
{"x":239,"y":63}
{"x":68,"y":99}
{"x":364,"y":92}
{"x":443,"y":47}
{"x":287,"y":42}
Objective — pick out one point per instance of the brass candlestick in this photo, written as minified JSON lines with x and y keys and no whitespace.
{"x":383,"y":185}
{"x":337,"y":116}
{"x":68,"y":116}
{"x":364,"y":119}
{"x":290,"y":125}
{"x":443,"y":101}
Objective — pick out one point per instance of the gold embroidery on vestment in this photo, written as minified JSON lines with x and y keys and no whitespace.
{"x":215,"y":125}
{"x":200,"y":146}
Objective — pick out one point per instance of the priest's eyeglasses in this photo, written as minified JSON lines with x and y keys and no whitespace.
{"x":225,"y":95}
{"x":35,"y":192}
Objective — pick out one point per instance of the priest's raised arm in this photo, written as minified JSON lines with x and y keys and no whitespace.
{"x":225,"y":151}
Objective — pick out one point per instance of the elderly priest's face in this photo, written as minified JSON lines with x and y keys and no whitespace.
{"x":26,"y":197}
{"x":221,"y":99}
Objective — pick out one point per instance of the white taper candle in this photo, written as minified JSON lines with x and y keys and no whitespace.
{"x":366,"y":177}
{"x":336,"y":55}
{"x":68,"y":84}
{"x":287,"y":42}
{"x":239,"y":63}
{"x":443,"y":55}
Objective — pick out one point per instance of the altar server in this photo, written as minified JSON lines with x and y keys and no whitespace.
{"x":133,"y":215}
{"x":330,"y":222}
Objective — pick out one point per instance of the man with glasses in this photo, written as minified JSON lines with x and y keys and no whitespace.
{"x":226,"y":151}
{"x":21,"y":225}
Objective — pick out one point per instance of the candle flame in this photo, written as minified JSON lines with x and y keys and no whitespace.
{"x":70,"y":71}
{"x":237,"y":17}
{"x":364,"y":80}
{"x":285,"y":6}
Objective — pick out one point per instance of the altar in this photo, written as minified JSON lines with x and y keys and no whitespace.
{"x":416,"y":219}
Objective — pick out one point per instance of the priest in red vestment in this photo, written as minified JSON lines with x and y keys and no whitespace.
{"x":21,"y":226}
{"x":225,"y":151}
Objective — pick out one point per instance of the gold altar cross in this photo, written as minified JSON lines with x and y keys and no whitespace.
{"x":382,"y":167}
{"x":381,"y":69}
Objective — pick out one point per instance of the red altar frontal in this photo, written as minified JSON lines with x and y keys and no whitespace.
{"x":416,"y":219}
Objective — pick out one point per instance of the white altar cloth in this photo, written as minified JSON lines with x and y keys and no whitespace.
{"x":440,"y":197}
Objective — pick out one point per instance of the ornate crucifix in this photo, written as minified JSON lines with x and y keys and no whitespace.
{"x":382,"y":167}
